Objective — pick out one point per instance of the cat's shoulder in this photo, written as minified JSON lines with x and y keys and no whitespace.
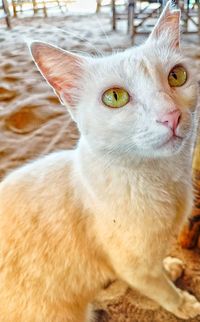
{"x":49,"y":169}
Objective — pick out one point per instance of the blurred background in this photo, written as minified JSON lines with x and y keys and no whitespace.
{"x":136,"y":16}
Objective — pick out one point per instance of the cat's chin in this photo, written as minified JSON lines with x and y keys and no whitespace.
{"x":170,"y":147}
{"x":173,"y":141}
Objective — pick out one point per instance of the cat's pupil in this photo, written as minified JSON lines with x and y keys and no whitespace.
{"x":174,"y":75}
{"x":115,"y":95}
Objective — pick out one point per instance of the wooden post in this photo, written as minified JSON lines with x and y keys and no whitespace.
{"x":131,"y":16}
{"x":164,"y":3}
{"x":198,"y":8}
{"x":7,"y":12}
{"x":98,"y":6}
{"x":14,"y":8}
{"x":113,"y":15}
{"x":35,"y":8}
{"x":45,"y":9}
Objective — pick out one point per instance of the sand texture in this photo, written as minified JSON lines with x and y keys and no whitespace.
{"x":33,"y":123}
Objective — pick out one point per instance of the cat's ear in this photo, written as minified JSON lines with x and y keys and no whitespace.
{"x":62,"y":70}
{"x":168,"y":26}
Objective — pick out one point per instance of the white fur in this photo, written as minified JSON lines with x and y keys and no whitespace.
{"x":113,"y":204}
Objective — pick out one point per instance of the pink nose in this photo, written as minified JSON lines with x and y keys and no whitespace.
{"x":171,"y":119}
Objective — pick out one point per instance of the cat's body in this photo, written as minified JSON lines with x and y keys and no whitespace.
{"x":55,"y":249}
{"x":76,"y":220}
{"x":52,"y":249}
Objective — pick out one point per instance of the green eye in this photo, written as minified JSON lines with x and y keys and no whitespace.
{"x":115,"y":97}
{"x":177,"y":77}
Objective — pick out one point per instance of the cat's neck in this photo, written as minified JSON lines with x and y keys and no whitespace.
{"x":175,"y":167}
{"x":112,"y":185}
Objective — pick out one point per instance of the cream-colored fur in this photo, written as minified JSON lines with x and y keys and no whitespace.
{"x":74,"y":221}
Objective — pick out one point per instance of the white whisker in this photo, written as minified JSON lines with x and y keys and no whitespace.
{"x":100,"y":52}
{"x":103,"y":30}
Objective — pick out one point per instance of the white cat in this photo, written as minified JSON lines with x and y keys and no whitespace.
{"x":74,"y":220}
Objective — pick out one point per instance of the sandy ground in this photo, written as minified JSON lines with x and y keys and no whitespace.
{"x":33,"y":123}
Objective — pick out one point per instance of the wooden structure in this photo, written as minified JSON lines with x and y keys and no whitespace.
{"x":4,"y":12}
{"x":149,"y":11}
{"x":36,"y":6}
{"x":139,"y":12}
{"x":190,"y":14}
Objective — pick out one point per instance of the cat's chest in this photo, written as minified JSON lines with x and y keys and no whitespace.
{"x":139,"y":195}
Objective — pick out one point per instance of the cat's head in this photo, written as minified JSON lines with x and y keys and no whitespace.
{"x":140,"y":102}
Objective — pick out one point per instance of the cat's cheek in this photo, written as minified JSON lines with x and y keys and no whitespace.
{"x":187,"y":97}
{"x":185,"y":129}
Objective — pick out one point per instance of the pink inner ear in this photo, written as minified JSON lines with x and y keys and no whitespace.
{"x":61,"y":69}
{"x":169,"y":21}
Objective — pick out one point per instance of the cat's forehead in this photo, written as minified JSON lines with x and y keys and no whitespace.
{"x":148,"y":61}
{"x":142,"y":57}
